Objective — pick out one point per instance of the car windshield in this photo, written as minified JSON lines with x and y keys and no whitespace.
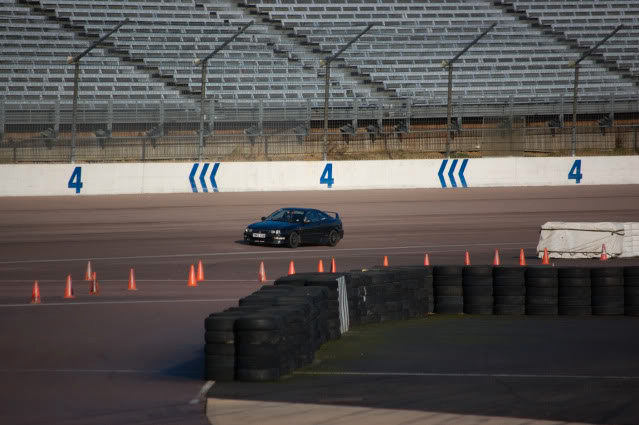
{"x":289,"y":216}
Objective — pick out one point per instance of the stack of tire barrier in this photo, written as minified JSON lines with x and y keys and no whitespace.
{"x":366,"y":297}
{"x":574,"y":291}
{"x":607,"y":291}
{"x":448,"y":289}
{"x":631,"y":294}
{"x":477,"y":282}
{"x":220,"y":346}
{"x":423,"y":278}
{"x":542,"y":291}
{"x":509,"y":288}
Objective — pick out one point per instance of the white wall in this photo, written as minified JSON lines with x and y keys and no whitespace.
{"x":100,"y":179}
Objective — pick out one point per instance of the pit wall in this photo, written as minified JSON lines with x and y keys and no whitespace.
{"x":137,"y":178}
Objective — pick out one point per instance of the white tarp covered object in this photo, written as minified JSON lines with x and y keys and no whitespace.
{"x":581,"y":240}
{"x":630,"y":240}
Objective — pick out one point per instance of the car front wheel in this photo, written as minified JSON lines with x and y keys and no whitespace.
{"x":294,"y":240}
{"x":333,"y":238}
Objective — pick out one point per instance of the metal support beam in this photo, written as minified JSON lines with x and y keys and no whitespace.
{"x":205,"y":63}
{"x":449,"y":64}
{"x":575,"y":64}
{"x":327,"y":82}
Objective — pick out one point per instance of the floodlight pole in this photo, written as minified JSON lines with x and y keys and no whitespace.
{"x":204,"y":62}
{"x":76,"y":77}
{"x":575,"y":64}
{"x":449,"y":64}
{"x":327,"y":83}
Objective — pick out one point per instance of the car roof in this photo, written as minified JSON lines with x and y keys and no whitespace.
{"x":299,"y":209}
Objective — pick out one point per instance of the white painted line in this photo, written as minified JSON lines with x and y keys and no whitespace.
{"x":96,"y":371}
{"x":467,"y":375}
{"x":201,"y":395}
{"x":265,"y":252}
{"x":72,"y":303}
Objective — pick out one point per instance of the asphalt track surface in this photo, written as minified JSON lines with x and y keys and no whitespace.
{"x":124,"y":357}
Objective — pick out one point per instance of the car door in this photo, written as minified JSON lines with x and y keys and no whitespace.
{"x":312,"y":227}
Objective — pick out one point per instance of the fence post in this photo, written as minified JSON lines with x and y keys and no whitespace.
{"x":110,"y":117}
{"x":409,"y":113}
{"x":161,"y":117}
{"x":56,"y":125}
{"x":355,"y":120}
{"x":211,"y":118}
{"x":561,"y":110}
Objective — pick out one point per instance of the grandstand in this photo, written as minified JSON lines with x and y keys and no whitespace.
{"x":393,"y":71}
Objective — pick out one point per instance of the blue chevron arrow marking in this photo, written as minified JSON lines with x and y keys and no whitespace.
{"x":453,"y":183}
{"x":192,"y":178}
{"x":451,"y":173}
{"x":441,"y":173}
{"x":461,"y":172}
{"x":213,"y":173}
{"x":202,"y":175}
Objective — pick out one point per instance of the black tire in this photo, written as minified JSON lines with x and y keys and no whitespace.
{"x":510,"y":300}
{"x":510,"y":310}
{"x":502,"y":281}
{"x":477,"y":291}
{"x":541,"y":272}
{"x":220,"y":349}
{"x":509,"y":272}
{"x":258,"y":323}
{"x":542,"y":282}
{"x":221,"y":322}
{"x":258,"y":337}
{"x":449,"y":309}
{"x":574,"y":282}
{"x":214,"y":337}
{"x":258,"y":375}
{"x":608,"y":291}
{"x":508,"y":291}
{"x":632,"y":310}
{"x":219,"y":362}
{"x":631,"y":299}
{"x":598,"y":272}
{"x":575,"y":310}
{"x":451,"y":271}
{"x":578,"y":273}
{"x":607,"y":300}
{"x":294,"y":240}
{"x":607,"y":281}
{"x":542,"y":310}
{"x":574,"y":301}
{"x":608,"y":310}
{"x":478,"y":271}
{"x":333,"y":238}
{"x":479,"y":300}
{"x":447,"y":301}
{"x":541,"y":300}
{"x":478,"y":309}
{"x":535,"y":291}
{"x":447,"y":281}
{"x":575,"y":291}
{"x":631,"y":291}
{"x":258,"y":362}
{"x":477,"y":281}
{"x":631,"y":271}
{"x":219,"y":374}
{"x":449,"y":291}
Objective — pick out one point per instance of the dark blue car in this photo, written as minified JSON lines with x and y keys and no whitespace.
{"x":293,"y":226}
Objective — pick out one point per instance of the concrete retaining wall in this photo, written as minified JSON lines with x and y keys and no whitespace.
{"x":105,"y":179}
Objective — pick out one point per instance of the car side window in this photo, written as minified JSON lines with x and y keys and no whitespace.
{"x":313,"y":217}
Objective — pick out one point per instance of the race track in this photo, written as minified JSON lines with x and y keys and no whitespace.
{"x":125,"y":357}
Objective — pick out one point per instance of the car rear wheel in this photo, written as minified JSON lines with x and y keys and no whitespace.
{"x":333,"y":238}
{"x":294,"y":240}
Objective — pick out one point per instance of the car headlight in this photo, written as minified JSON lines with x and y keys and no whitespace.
{"x":276,"y":232}
{"x":248,"y":230}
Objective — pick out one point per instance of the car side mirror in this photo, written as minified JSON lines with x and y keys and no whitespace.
{"x":263,"y":218}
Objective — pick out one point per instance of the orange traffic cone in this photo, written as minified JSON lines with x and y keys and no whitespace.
{"x":192,"y":281}
{"x":426,"y":260}
{"x":68,"y":290}
{"x":385,"y":261}
{"x":89,"y":274}
{"x":546,"y":258}
{"x":496,"y":259}
{"x":320,"y":266}
{"x":333,"y":266}
{"x":132,"y":286}
{"x":94,"y":289}
{"x":35,"y":295}
{"x":604,"y":254}
{"x":261,"y":276}
{"x":522,"y":257}
{"x":291,"y":268}
{"x":200,"y":271}
{"x":467,"y":259}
